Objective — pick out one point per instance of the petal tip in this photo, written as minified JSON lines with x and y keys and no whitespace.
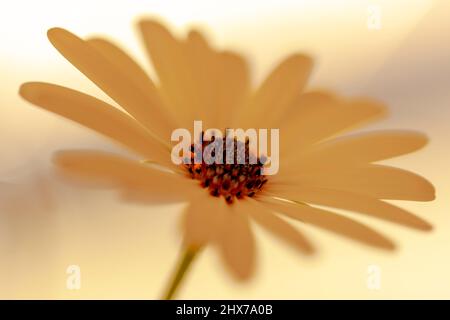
{"x":68,"y":158}
{"x":426,"y":226}
{"x":388,"y":245}
{"x":301,"y":60}
{"x":243,"y":276}
{"x":423,"y":138}
{"x":24,"y":89}
{"x":309,"y":250}
{"x":58,"y":36}
{"x":151,"y":23}
{"x":55,"y":31}
{"x":301,"y":57}
{"x":429,"y":192}
{"x":28,"y":90}
{"x":59,"y":159}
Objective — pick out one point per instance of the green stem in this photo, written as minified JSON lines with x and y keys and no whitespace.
{"x":187,"y":257}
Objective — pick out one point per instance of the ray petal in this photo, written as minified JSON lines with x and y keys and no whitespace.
{"x":275,"y":225}
{"x":318,"y":115}
{"x":132,"y":178}
{"x":232,"y":88}
{"x":377,"y":181}
{"x":359,"y":148}
{"x":203,"y":59}
{"x":221,"y":79}
{"x":236,"y":242}
{"x":330,"y":221}
{"x":96,"y":115}
{"x":355,"y":202}
{"x":144,"y":105}
{"x":127,"y":65}
{"x":171,"y":62}
{"x":284,"y":83}
{"x":204,"y":220}
{"x":121,"y":59}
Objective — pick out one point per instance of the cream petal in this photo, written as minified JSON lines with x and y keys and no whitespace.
{"x":96,"y":115}
{"x":319,"y":115}
{"x":221,"y":79}
{"x":176,"y":76}
{"x":356,"y":149}
{"x":199,"y":82}
{"x":275,"y":225}
{"x":210,"y":220}
{"x":377,"y":181}
{"x":203,"y":61}
{"x":236,"y":242}
{"x":358,"y":203}
{"x":129,"y":66}
{"x":144,"y":105}
{"x":330,"y":221}
{"x":204,"y":220}
{"x":277,"y":92}
{"x":132,"y":178}
{"x":232,"y":88}
{"x":122,"y":60}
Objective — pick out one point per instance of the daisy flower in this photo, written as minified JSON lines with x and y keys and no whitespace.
{"x":319,"y":166}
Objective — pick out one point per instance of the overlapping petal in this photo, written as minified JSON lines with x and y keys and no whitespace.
{"x":319,"y":115}
{"x":378,"y":181}
{"x":237,"y":244}
{"x":355,"y":202}
{"x":277,"y":226}
{"x":208,"y":85}
{"x":144,"y":105}
{"x":277,"y":92}
{"x":96,"y":115}
{"x":131,"y":178}
{"x":354,"y":150}
{"x":203,"y":220}
{"x":330,"y":221}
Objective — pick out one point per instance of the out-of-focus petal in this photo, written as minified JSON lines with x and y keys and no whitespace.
{"x":96,"y":115}
{"x":277,"y":226}
{"x":355,"y":202}
{"x":198,"y":82}
{"x":209,"y":220}
{"x":175,"y":74}
{"x":203,"y":62}
{"x":356,"y":149}
{"x":236,"y":242}
{"x":318,"y":115}
{"x":129,"y":66}
{"x":101,"y":169}
{"x":378,"y":181}
{"x":203,"y":220}
{"x":144,"y":105}
{"x":125,"y":62}
{"x":232,"y":88}
{"x":330,"y":221}
{"x":278,"y":91}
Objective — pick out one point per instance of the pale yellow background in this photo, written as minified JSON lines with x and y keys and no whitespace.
{"x":127,"y":251}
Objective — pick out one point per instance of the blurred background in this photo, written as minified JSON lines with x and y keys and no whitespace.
{"x":128,"y":251}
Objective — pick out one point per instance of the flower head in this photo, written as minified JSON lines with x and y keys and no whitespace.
{"x":318,"y":165}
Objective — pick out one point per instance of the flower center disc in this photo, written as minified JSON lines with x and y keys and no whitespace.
{"x":231,"y":179}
